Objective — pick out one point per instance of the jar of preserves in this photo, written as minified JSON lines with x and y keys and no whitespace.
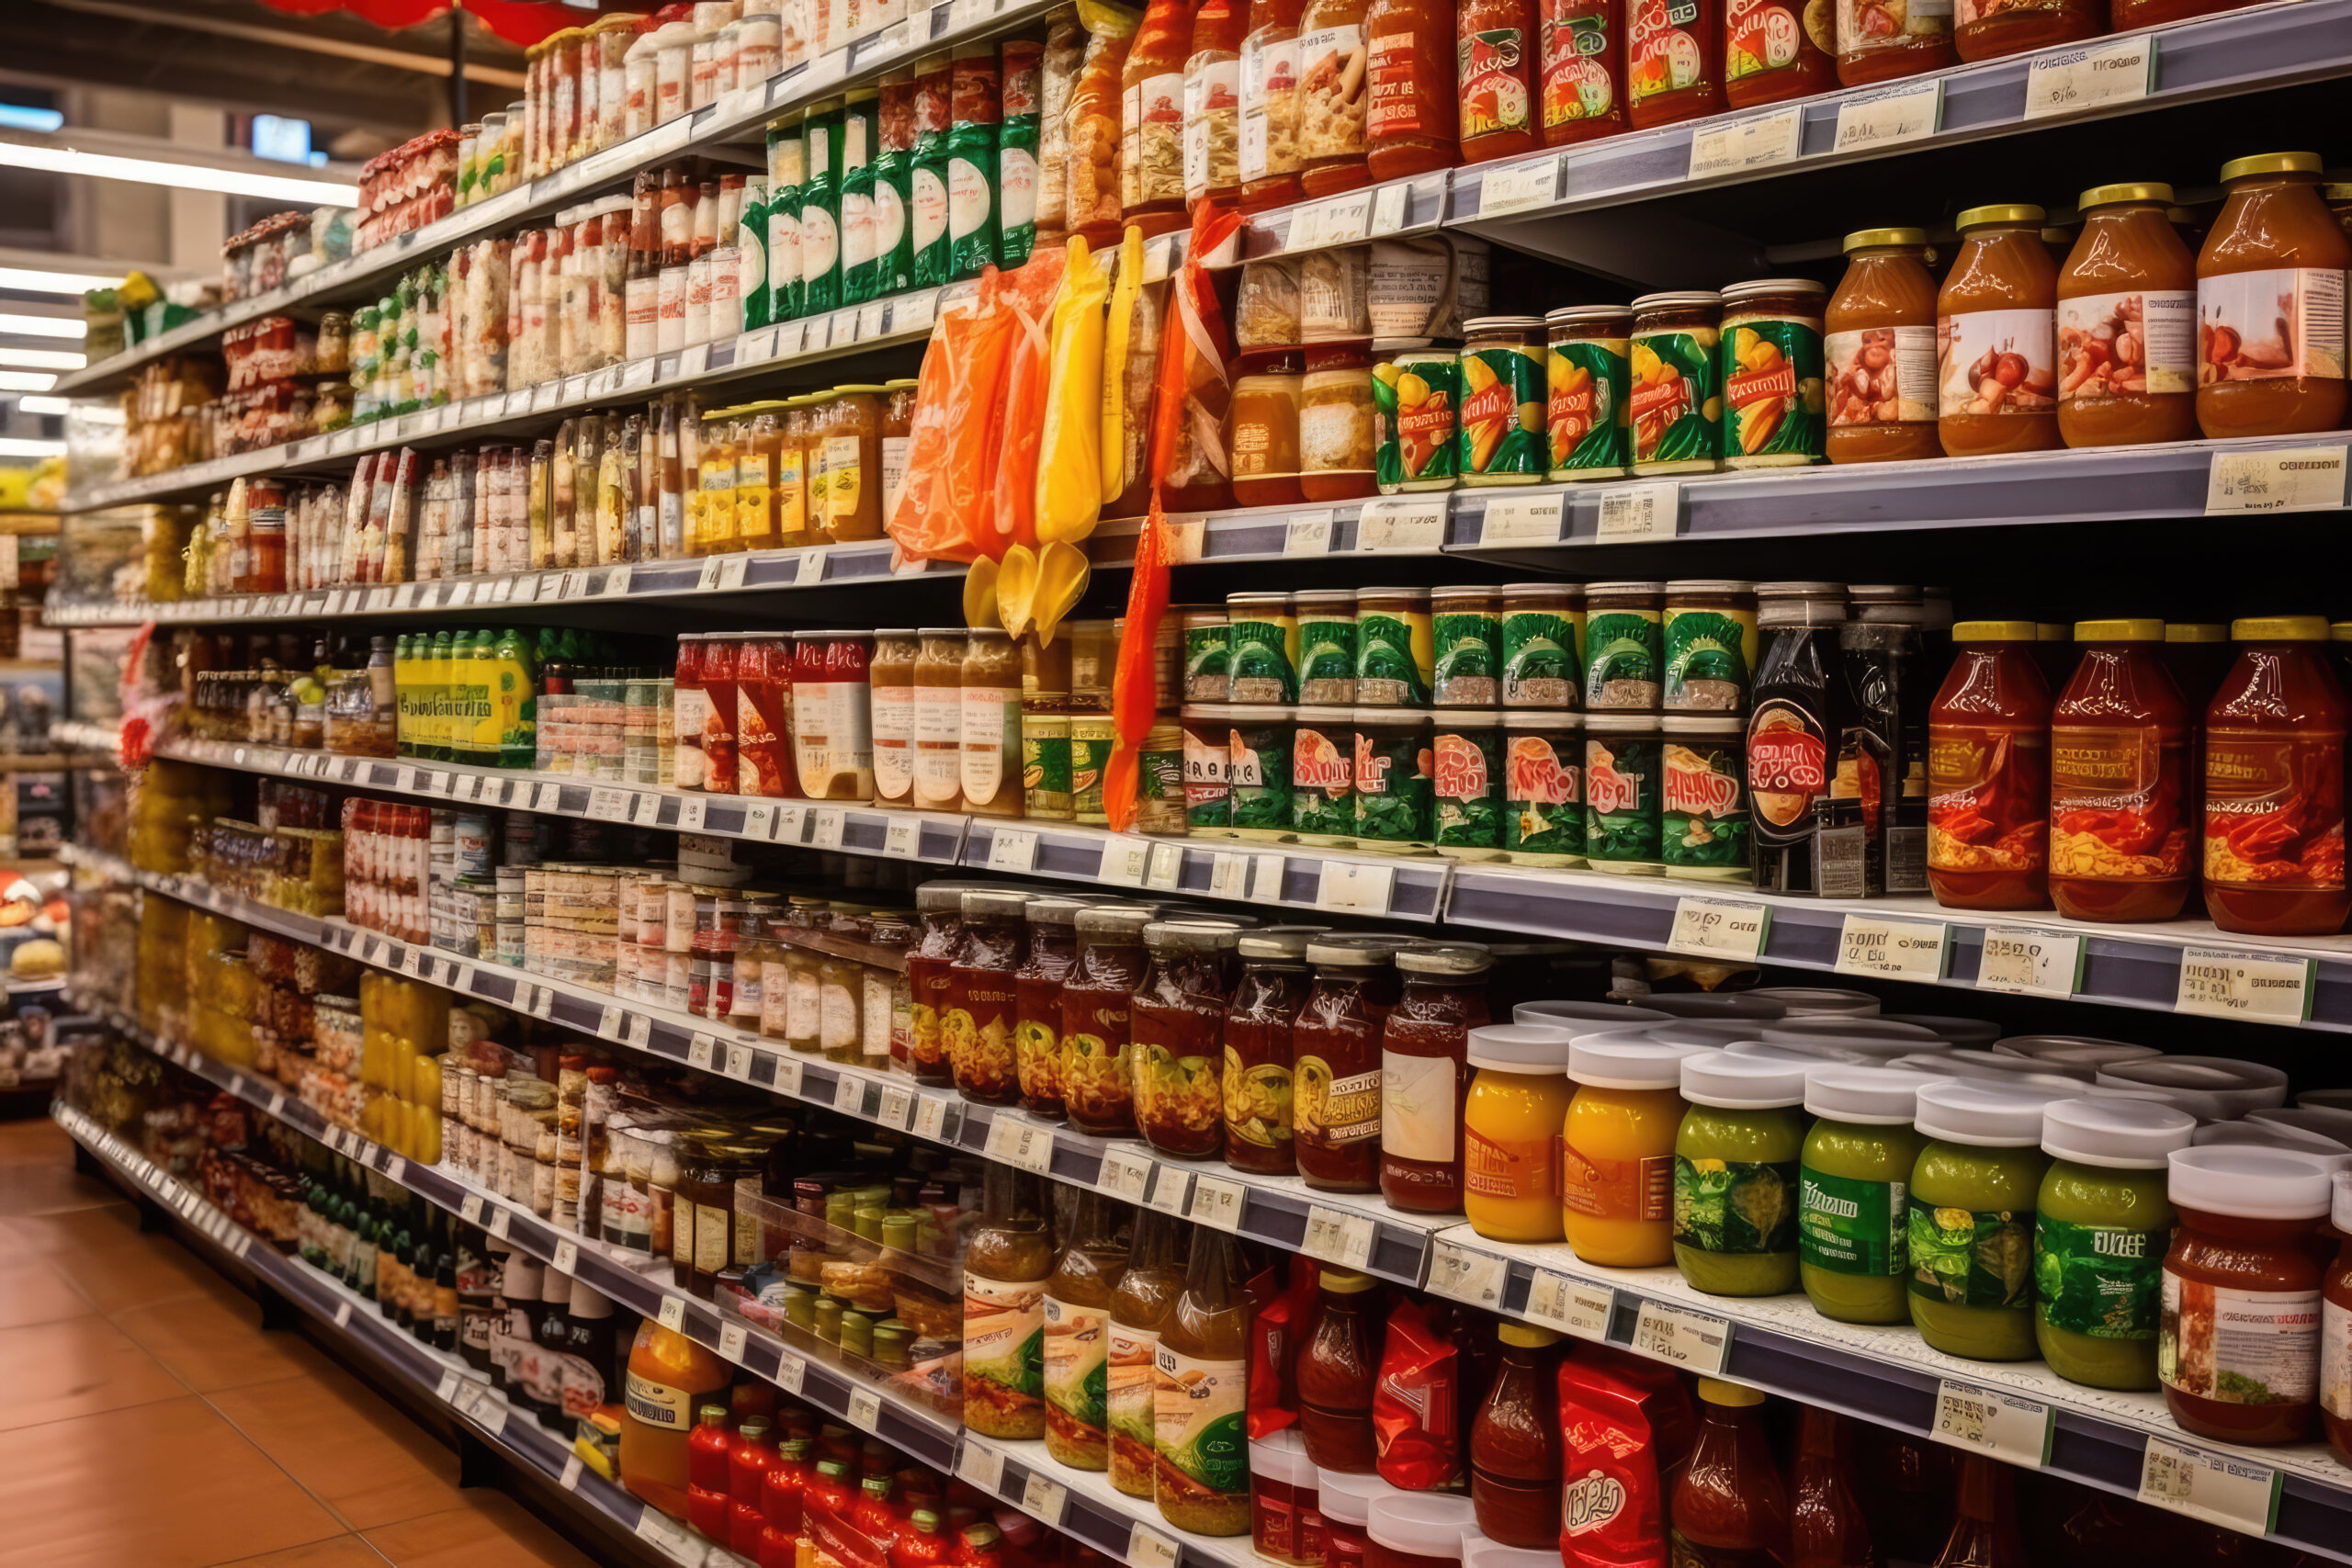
{"x":1395,"y":653}
{"x":2274,"y":784}
{"x":832,"y":738}
{"x":1543,"y":788}
{"x":1623,"y":788}
{"x":1177,"y":1020}
{"x":1971,"y":1206}
{"x":1416,"y":405}
{"x":1096,"y":1080}
{"x":938,"y":784}
{"x":1541,"y":630}
{"x":2123,"y":836}
{"x":1771,"y":373}
{"x":1623,"y":638}
{"x":1879,"y":40}
{"x":939,"y":912}
{"x":1263,"y":427}
{"x":1510,"y":1130}
{"x":1335,"y":1043}
{"x":1037,"y":1018}
{"x":2102,"y":1224}
{"x":1586,"y":420}
{"x":1502,"y":439}
{"x":1395,"y":794}
{"x":990,"y":759}
{"x":1425,"y":1073}
{"x":890,"y":676}
{"x":1582,"y":62}
{"x":981,"y":1003}
{"x":1466,"y":638}
{"x":1984,"y":29}
{"x":1411,"y":116}
{"x":1996,"y":386}
{"x":2269,"y":303}
{"x":1676,"y":403}
{"x":1327,"y":645}
{"x":1256,"y":1062}
{"x":1880,"y":349}
{"x":1988,"y":773}
{"x":1213,"y":104}
{"x":1337,"y":438}
{"x":1674,"y":55}
{"x":1332,"y":96}
{"x":1775,"y":51}
{"x":853,"y":465}
{"x":898,"y":430}
{"x":1497,"y":61}
{"x":1617,"y":1151}
{"x":1708,"y":643}
{"x":2127,"y":311}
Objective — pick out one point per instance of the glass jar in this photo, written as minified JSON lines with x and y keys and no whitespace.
{"x":1995,"y":331}
{"x":1988,"y":773}
{"x":1338,"y":439}
{"x":1327,"y":645}
{"x":1852,"y":1174}
{"x":1880,"y":350}
{"x":2102,"y":1224}
{"x":2274,"y":749}
{"x":1879,"y":40}
{"x":1411,"y":116}
{"x":1510,"y":1127}
{"x":1335,"y":1044}
{"x":1771,"y":373}
{"x":982,"y":1007}
{"x":1582,"y":65}
{"x":1332,"y":96}
{"x":1395,"y":794}
{"x":1257,"y":1060}
{"x":1263,"y":428}
{"x":1052,"y":955}
{"x":1425,"y":1074}
{"x":1774,"y":50}
{"x":939,"y":912}
{"x":1416,"y":403}
{"x":890,"y":675}
{"x":1176,"y":1017}
{"x":1617,"y":1151}
{"x":2127,"y":322}
{"x":1736,"y":1174}
{"x":1588,"y":385}
{"x":1676,"y":403}
{"x":1097,"y":1081}
{"x":2123,"y":834}
{"x":2274,"y":242}
{"x":710,"y":1161}
{"x":938,"y":784}
{"x":1971,"y":1210}
{"x":1674,"y":64}
{"x":1625,"y":646}
{"x":990,"y":759}
{"x":1395,"y":650}
{"x":1503,"y":440}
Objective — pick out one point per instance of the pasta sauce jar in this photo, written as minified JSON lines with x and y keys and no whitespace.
{"x":1996,"y":388}
{"x":1176,"y":1017}
{"x":1987,"y":29}
{"x":982,"y":1005}
{"x":1586,"y":426}
{"x":1674,"y":61}
{"x":1410,"y":113}
{"x":1880,"y":350}
{"x":1988,"y":773}
{"x":1496,"y":66}
{"x":1257,"y":1066}
{"x":1879,"y":40}
{"x":2270,"y":303}
{"x":1583,"y":70}
{"x":1095,"y":1018}
{"x":2274,"y":784}
{"x":1335,"y":1046}
{"x":2122,"y":833}
{"x":2127,"y":323}
{"x":1775,"y":49}
{"x":1425,"y":1074}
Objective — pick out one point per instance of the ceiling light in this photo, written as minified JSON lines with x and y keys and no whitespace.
{"x":42,"y":326}
{"x":20,"y":447}
{"x":46,"y":405}
{"x":30,"y":280}
{"x":26,"y":381}
{"x":43,"y":358}
{"x":186,"y":176}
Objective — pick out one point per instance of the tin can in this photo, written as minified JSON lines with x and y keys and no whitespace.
{"x":1503,"y":440}
{"x":1046,"y":781}
{"x":1466,"y":631}
{"x":1622,"y":794}
{"x":1395,"y":658}
{"x":1543,"y":788}
{"x":1586,"y":426}
{"x":1322,"y":774}
{"x":1417,"y":408}
{"x":1676,"y":401}
{"x":1259,"y":772}
{"x":1162,"y":797}
{"x":1704,"y":811}
{"x":1327,"y":646}
{"x":1541,"y":631}
{"x":1709,"y":644}
{"x":1263,"y":663}
{"x":1623,"y":645}
{"x":1395,"y":806}
{"x":1770,"y":369}
{"x":1466,"y":782}
{"x":1208,"y":656}
{"x":1207,"y":749}
{"x":1092,"y":736}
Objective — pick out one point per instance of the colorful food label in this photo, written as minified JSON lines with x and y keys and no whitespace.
{"x":1583,"y":413}
{"x":2238,"y":1347}
{"x":1508,"y":1167}
{"x":2257,"y":326}
{"x":1208,"y":775}
{"x":1988,"y":798}
{"x":1095,"y":1061}
{"x":1332,"y":1112}
{"x":1416,"y":404}
{"x":1788,"y":765}
{"x":1709,"y":659}
{"x":1491,"y":69}
{"x":1395,"y":108}
{"x":1575,"y":55}
{"x":1261,"y":669}
{"x":1616,"y":1188}
{"x":1675,"y":410}
{"x":1038,"y":1049}
{"x":1199,"y":1410}
{"x":2127,"y":344}
{"x":1004,"y":1346}
{"x":1866,"y":25}
{"x":1882,"y":375}
{"x":1269,"y":106}
{"x":1846,"y":1225}
{"x":1176,"y":1097}
{"x":1623,"y":650}
{"x":1744,"y":1206}
{"x":1544,"y":794}
{"x":1767,"y":35}
{"x":1502,"y":412}
{"x":1979,"y":1257}
{"x":1327,"y":657}
{"x":1077,"y":1363}
{"x":1996,"y":362}
{"x":2100,"y":1280}
{"x":1469,"y":649}
{"x":1208,"y":663}
{"x":1468,"y":788}
{"x":1212,"y":125}
{"x":1322,"y":780}
{"x":1261,"y":775}
{"x":2273,"y":809}
{"x":1540,"y":668}
{"x":1257,"y":1102}
{"x":1396,"y":657}
{"x":2118,"y":805}
{"x":991,"y":740}
{"x":1662,"y":46}
{"x":1621,"y":794}
{"x":1128,"y":1394}
{"x":1151,"y":144}
{"x":1090,"y":741}
{"x":1393,"y":791}
{"x":1331,"y":92}
{"x":1704,"y":816}
{"x":1771,"y":377}
{"x":1045,"y":769}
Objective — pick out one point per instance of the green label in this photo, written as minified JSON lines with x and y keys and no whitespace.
{"x":1322,"y":781}
{"x":1502,"y":412}
{"x":1624,"y":651}
{"x":2103,"y":1281}
{"x":971,"y":200}
{"x":1675,"y":404}
{"x":1620,"y":797}
{"x":1393,"y":788}
{"x":1585,"y":417}
{"x":1539,"y":654}
{"x":1261,"y":671}
{"x":1089,"y":753}
{"x":1772,"y":383}
{"x":1262,"y":776}
{"x":927,"y":192}
{"x":1971,"y":1257}
{"x":1208,"y":663}
{"x":1199,"y":1427}
{"x":1469,"y":651}
{"x":1045,"y":769}
{"x":1415,"y":408}
{"x":1160,"y":776}
{"x":1208,"y":777}
{"x":1703,"y":815}
{"x":1544,"y":794}
{"x":1326,"y":659}
{"x":1467,"y":788}
{"x":1388,"y":669}
{"x":1735,"y":1205}
{"x":1706,"y":659}
{"x":1846,"y":1225}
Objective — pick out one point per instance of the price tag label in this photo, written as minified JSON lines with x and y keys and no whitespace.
{"x":1909,"y":950}
{"x":1124,"y":1176}
{"x":788,"y":1076}
{"x":1639,"y":511}
{"x":2297,"y":478}
{"x":1217,"y":1202}
{"x":2221,"y":1489}
{"x":1171,"y":1187}
{"x":691,"y":810}
{"x":1355,"y":888}
{"x":2021,"y":962}
{"x":931,"y":1117}
{"x":1024,"y":1144}
{"x":1401,"y":524}
{"x":1126,"y":860}
{"x":501,"y":1221}
{"x":1228,"y":875}
{"x":567,"y":1257}
{"x":1044,"y":1498}
{"x":898,"y":1107}
{"x":701,"y":1051}
{"x":1307,"y":534}
{"x":2074,"y":80}
{"x":1011,"y":848}
{"x":739,"y":1063}
{"x":608,"y":804}
{"x":759,"y":822}
{"x":981,"y":1465}
{"x":1571,"y":1306}
{"x":343,"y":1314}
{"x":672,"y":1313}
{"x":2220,"y":983}
{"x":2006,"y":1427}
{"x":542,"y":1002}
{"x":865,"y":1409}
{"x":731,"y":1340}
{"x":1388,"y":208}
{"x":569,"y":1480}
{"x":1515,"y":187}
{"x":1336,"y":1235}
{"x":1695,"y":1341}
{"x":1146,"y":1548}
{"x":825,"y":828}
{"x":913,"y":312}
{"x":902,"y":837}
{"x":1467,"y":1274}
{"x":655,"y":1529}
{"x":609,"y":1022}
{"x":1882,"y":120}
{"x":1167,"y":871}
{"x":1339,"y":222}
{"x":1521,"y":520}
{"x":1759,"y":141}
{"x":849,"y":1095}
{"x":790,"y":1371}
{"x":644,"y":809}
{"x":791,"y":825}
{"x":1266,"y":878}
{"x":1719,"y":927}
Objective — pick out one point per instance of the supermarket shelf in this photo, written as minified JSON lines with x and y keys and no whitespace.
{"x":103,"y":742}
{"x":1886,"y":1375}
{"x":1395,"y":209}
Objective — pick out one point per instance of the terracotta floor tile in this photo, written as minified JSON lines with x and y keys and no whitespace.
{"x":164,"y":1485}
{"x":492,"y":1530}
{"x":120,"y":1271}
{"x":47,"y":1187}
{"x":342,"y":1552}
{"x":32,"y":1141}
{"x":76,"y":1366}
{"x":32,"y":1291}
{"x":75,"y":1230}
{"x":367,"y":1462}
{"x":212,"y":1345}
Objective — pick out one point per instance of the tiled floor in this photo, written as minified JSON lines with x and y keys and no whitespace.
{"x":146,"y":1418}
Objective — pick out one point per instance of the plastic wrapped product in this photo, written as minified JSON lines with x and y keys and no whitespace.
{"x":1017,"y":149}
{"x":821,"y":240}
{"x":1058,"y":78}
{"x":1093,"y":119}
{"x":927,"y":182}
{"x":1023,"y":418}
{"x":894,"y":158}
{"x":788,"y":169}
{"x":860,"y":141}
{"x":975,"y":109}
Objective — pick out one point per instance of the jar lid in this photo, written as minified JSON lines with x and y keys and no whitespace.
{"x":1620,"y":723}
{"x":1870,"y":1097}
{"x":2245,"y":1086}
{"x":2109,"y":196}
{"x":1282,"y":1456}
{"x":2262,"y":1136}
{"x":2005,"y":212}
{"x":1613,"y":589}
{"x":1542,"y":591}
{"x":1115,"y":919}
{"x":1520,"y":1047}
{"x":1978,"y":1032}
{"x":2251,"y":1183}
{"x":1819,"y":1001}
{"x":2326,"y":1099}
{"x":2279,"y":628}
{"x":2125,"y":1134}
{"x":1689,"y":724}
{"x":1677,"y":299}
{"x":1256,"y":601}
{"x":1061,"y":909}
{"x":1741,"y":1083}
{"x":2340,"y":1214}
{"x":942,"y":631}
{"x":1444,"y":958}
{"x":2119,"y":631}
{"x":1991,"y":1066}
{"x":1426,"y":1524}
{"x":1463,"y":591}
{"x":1701,"y":1033}
{"x":2203,"y":1104}
{"x":2272,"y":164}
{"x":1325,"y":598}
{"x":1420,"y":595}
{"x":1771,"y":286}
{"x":1569,"y":315}
{"x":2325,"y":1121}
{"x":1345,"y":1281}
{"x":1477,"y":325}
{"x":1279,"y":941}
{"x":1527,"y":1336}
{"x":1207,"y":618}
{"x":1847,"y":1032}
{"x":1347,"y":1497}
{"x":1716,"y":1391}
{"x":1990,"y":1115}
{"x":993,"y":901}
{"x":1620,"y":1061}
{"x":1712,"y":1004}
{"x":2083,"y":1050}
{"x":1586,"y":1017}
{"x":1372,"y":952}
{"x":1189,"y":936}
{"x":1873,"y":239}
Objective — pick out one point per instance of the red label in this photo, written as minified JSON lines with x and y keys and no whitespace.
{"x":2273,"y":809}
{"x":1669,"y":395}
{"x":1788,"y":761}
{"x":1372,"y":767}
{"x":1607,"y":790}
{"x":1533,"y":773}
{"x":1460,"y":768}
{"x":1492,"y":72}
{"x":1324,"y":767}
{"x":1393,"y":109}
{"x":1756,"y":386}
{"x":1569,"y":414}
{"x":1432,"y":416}
{"x":1701,"y":792}
{"x":1490,"y":404}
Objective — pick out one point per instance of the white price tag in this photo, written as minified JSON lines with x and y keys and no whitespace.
{"x":645,"y":809}
{"x":1388,"y":208}
{"x":1167,"y":871}
{"x":1909,"y":950}
{"x":791,"y":825}
{"x":1695,"y":1341}
{"x":865,"y":1409}
{"x":609,"y":1022}
{"x":1171,"y":1186}
{"x":1146,"y":1548}
{"x":547,"y":797}
{"x":1217,"y":1202}
{"x":639,"y":1030}
{"x":2021,"y":962}
{"x":1571,"y":1306}
{"x":672,"y":1313}
{"x":1307,"y":534}
{"x":616,"y":580}
{"x":1126,"y":860}
{"x":1639,"y":511}
{"x":1719,"y":927}
{"x":732,"y":1337}
{"x":1020,"y":1143}
{"x":1266,"y":878}
{"x":2006,"y":1427}
{"x":2221,"y":1489}
{"x":2072,"y":81}
{"x":1521,"y":520}
{"x":1467,"y":1274}
{"x":2221,"y":983}
{"x":869,"y":321}
{"x":569,"y":1480}
{"x":608,"y":804}
{"x":1124,"y":1176}
{"x":501,"y":1221}
{"x":1228,"y":875}
{"x":1744,"y":146}
{"x":788,"y":1076}
{"x":902,"y":837}
{"x":1882,"y":120}
{"x":691,"y":810}
{"x":931,"y":1117}
{"x":343,"y":1314}
{"x":981,"y":1465}
{"x":1338,"y":223}
{"x":472,"y":1209}
{"x":567,"y":1257}
{"x":2297,"y":478}
{"x":759,"y":822}
{"x":825,"y":828}
{"x":739,"y":1063}
{"x":1335,"y":1236}
{"x":913,"y":312}
{"x":701,"y":1051}
{"x":542,"y":1002}
{"x":654,"y":1529}
{"x":1515,"y":187}
{"x":789,"y":1371}
{"x":1011,"y":848}
{"x":1355,"y":887}
{"x":1401,"y":523}
{"x":849,"y":1095}
{"x":1044,"y":1498}
{"x":898,"y":1107}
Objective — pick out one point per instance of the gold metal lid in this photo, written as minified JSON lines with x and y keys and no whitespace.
{"x":2010,"y":212}
{"x":2107,"y":196}
{"x":1345,"y":1281}
{"x":1992,"y":631}
{"x":1714,"y":1391}
{"x":2119,"y":631}
{"x":2196,"y":631}
{"x":1527,"y":1336}
{"x":2340,"y":632}
{"x":2052,"y":631}
{"x":2279,"y":628}
{"x":2272,"y":164}
{"x":1870,"y":239}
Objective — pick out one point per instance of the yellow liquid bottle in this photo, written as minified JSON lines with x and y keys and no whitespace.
{"x":1511,"y":1123}
{"x":1617,"y":1151}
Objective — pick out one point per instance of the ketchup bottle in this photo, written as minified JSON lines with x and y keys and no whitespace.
{"x":780,"y":1489}
{"x":707,"y":1455}
{"x":754,"y":1456}
{"x":980,"y":1546}
{"x":1827,"y":1529}
{"x":872,"y":1513}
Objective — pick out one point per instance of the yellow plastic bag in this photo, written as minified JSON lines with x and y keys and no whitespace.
{"x":1070,"y":459}
{"x":1118,"y":341}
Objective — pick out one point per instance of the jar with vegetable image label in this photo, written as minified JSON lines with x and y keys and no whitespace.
{"x":1208,"y":656}
{"x":1259,"y":772}
{"x":1702,"y":831}
{"x":1091,"y":736}
{"x":1543,"y":788}
{"x":2127,"y":322}
{"x":1852,"y":1180}
{"x":1467,"y":631}
{"x":1675,"y":403}
{"x":1736,"y":1174}
{"x":1880,"y":350}
{"x":1396,"y":652}
{"x":1394,"y":793}
{"x":1543,"y":627}
{"x":1264,"y":661}
{"x":1996,"y":384}
{"x":1466,"y":783}
{"x":1322,"y":775}
{"x":1623,"y":794}
{"x":2102,"y":1224}
{"x":1770,"y":353}
{"x":1969,"y":1217}
{"x":1046,"y":792}
{"x":1587,"y":380}
{"x":1503,"y":440}
{"x":1624,"y":652}
{"x":1327,"y":645}
{"x":1710,"y":643}
{"x":1208,"y":767}
{"x":1416,"y":405}
{"x":1163,"y":794}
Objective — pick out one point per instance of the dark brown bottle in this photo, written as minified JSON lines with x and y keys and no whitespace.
{"x":1811,"y":833}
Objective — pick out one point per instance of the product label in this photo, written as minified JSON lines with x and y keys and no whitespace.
{"x":1004,"y":1339}
{"x":2101,"y":1280}
{"x":1332,"y":1112}
{"x":2118,"y":809}
{"x":821,"y":242}
{"x":1491,"y":70}
{"x":1397,"y":88}
{"x":659,"y":1405}
{"x":1330,"y":93}
{"x":1996,"y":362}
{"x":1260,"y":757}
{"x":1327,"y":658}
{"x":1151,"y":141}
{"x":1703,"y":812}
{"x":1707,"y":655}
{"x":938,"y":745}
{"x":1788,"y":763}
{"x":1971,"y":1257}
{"x":1622,"y":795}
{"x":1616,"y":1188}
{"x":1662,"y":46}
{"x":1212,"y":127}
{"x":927,"y":208}
{"x":1208,"y":661}
{"x":1542,"y":795}
{"x":1467,"y":788}
{"x":1585,"y":413}
{"x":1850,"y":1226}
{"x":2257,"y":326}
{"x":1417,"y":1107}
{"x":1502,"y":412}
{"x":1257,"y":1101}
{"x":1765,"y":35}
{"x":2127,"y":344}
{"x":968,"y":201}
{"x":1508,"y":1167}
{"x":1771,"y":377}
{"x":2273,"y":809}
{"x":1261,"y":669}
{"x":1735,"y":1205}
{"x":1576,"y":54}
{"x":2238,"y":1347}
{"x":1269,"y":106}
{"x":1208,"y":776}
{"x":1674,"y":406}
{"x":991,"y":740}
{"x":1395,"y":793}
{"x":1539,"y":653}
{"x":1322,"y":777}
{"x":2335,"y":1360}
{"x":1077,"y":1361}
{"x":894,"y":741}
{"x":1127,"y":1398}
{"x":1623,"y":652}
{"x":1866,"y":25}
{"x":1044,"y":768}
{"x":1199,"y":1409}
{"x":1416,"y":407}
{"x":1468,"y":647}
{"x":1882,"y":375}
{"x":1987,"y":793}
{"x":1395,"y":658}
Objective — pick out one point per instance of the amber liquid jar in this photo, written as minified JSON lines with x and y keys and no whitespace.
{"x":1996,"y":386}
{"x":2270,"y":303}
{"x":2127,"y":323}
{"x":1879,"y":351}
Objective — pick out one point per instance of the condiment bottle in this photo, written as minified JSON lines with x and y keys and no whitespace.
{"x":780,"y":1492}
{"x":2102,"y":1223}
{"x":1008,"y":1256}
{"x":1096,"y":1018}
{"x":708,"y":1503}
{"x":1331,"y":53}
{"x":1335,"y":1371}
{"x":1425,"y":1074}
{"x":1995,"y":329}
{"x":1335,"y":1042}
{"x":1269,"y":156}
{"x":1983,"y":30}
{"x":1880,"y":350}
{"x":1729,"y":1505}
{"x":1147,"y":1294}
{"x":1077,"y":1333}
{"x":1988,"y":773}
{"x":1582,"y":67}
{"x":1983,"y":1527}
{"x":1515,"y":1443}
{"x":939,"y":720}
{"x":1151,"y":141}
{"x":1497,"y":66}
{"x":754,"y":1456}
{"x":1826,"y":1525}
{"x":1775,"y":50}
{"x":1213,"y":104}
{"x":1176,"y":1023}
{"x":939,"y":907}
{"x":1617,"y":1151}
{"x":1037,"y":1027}
{"x":1674,"y":62}
{"x":990,"y":764}
{"x":1857,"y":1161}
{"x":919,"y":1545}
{"x":1804,"y":706}
{"x":1510,"y":1125}
{"x":1879,"y":40}
{"x":977,"y":1022}
{"x":2127,"y":323}
{"x":2122,"y":836}
{"x":1410,"y":114}
{"x":1736,"y":1158}
{"x":2335,"y":1325}
{"x":2269,"y":303}
{"x":1200,"y":1393}
{"x":1258,"y":1071}
{"x":1971,"y":1209}
{"x":2274,"y":784}
{"x":667,"y":1372}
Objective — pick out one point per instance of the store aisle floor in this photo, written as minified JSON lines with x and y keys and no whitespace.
{"x":146,"y":1418}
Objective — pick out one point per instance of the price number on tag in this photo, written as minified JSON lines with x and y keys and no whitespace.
{"x":1639,"y":511}
{"x":1124,"y":1176}
{"x":1569,"y":1305}
{"x":1515,"y":187}
{"x":1719,"y":927}
{"x":1217,"y":1202}
{"x":2008,"y":1426}
{"x":2300,"y":478}
{"x":898,"y":1107}
{"x":902,"y":837}
{"x":2025,"y":963}
{"x":865,"y":1409}
{"x":2220,"y":983}
{"x":1170,"y":1186}
{"x":701,"y":1051}
{"x":2075,"y":80}
{"x":1467,"y":1274}
{"x":2221,"y":1489}
{"x":672,"y":1313}
{"x":731,"y":1340}
{"x":1744,"y":146}
{"x":1335,"y":1236}
{"x":1694,"y":1341}
{"x":1909,"y":950}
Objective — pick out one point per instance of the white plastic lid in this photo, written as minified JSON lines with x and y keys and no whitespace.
{"x":1283,"y":1457}
{"x":2127,"y":1135}
{"x":2325,"y":1120}
{"x":1984,"y":1065}
{"x":1741,"y":1083}
{"x":2243,"y":1085}
{"x":1347,"y":1497}
{"x":1477,"y":1551}
{"x":2326,"y":1099}
{"x":1714,"y":1004}
{"x":1701,"y":1033}
{"x":1819,"y":1055}
{"x":2251,"y":1183}
{"x":1587,"y":1017}
{"x":1965,"y":1032}
{"x":1427,"y":1524}
{"x":1519,"y":1047}
{"x":1843,"y":1031}
{"x":2083,"y":1050}
{"x":1988,"y":1115}
{"x":2198,"y":1102}
{"x":2340,"y":1214}
{"x":2264,"y":1135}
{"x":1869,"y":1097}
{"x":1613,"y":1062}
{"x":1819,"y":1001}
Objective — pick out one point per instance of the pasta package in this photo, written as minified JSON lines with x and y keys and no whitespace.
{"x":1058,"y":77}
{"x":1093,"y":121}
{"x":1117,"y":342}
{"x":1069,"y":460}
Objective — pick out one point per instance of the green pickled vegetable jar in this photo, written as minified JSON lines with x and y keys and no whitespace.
{"x":1542,"y":628}
{"x":1676,"y":402}
{"x":1322,"y":774}
{"x":1704,"y":809}
{"x":1624,"y":645}
{"x":1735,"y":1161}
{"x":1396,"y":656}
{"x":1395,"y":804}
{"x":1466,"y":783}
{"x":1543,"y":788}
{"x":1622,"y":764}
{"x":1853,"y":1180}
{"x":1466,"y":627}
{"x":1327,"y":645}
{"x":2102,"y":1224}
{"x":1208,"y":656}
{"x":1264,"y":643}
{"x":1260,"y":772}
{"x":1971,"y":1217}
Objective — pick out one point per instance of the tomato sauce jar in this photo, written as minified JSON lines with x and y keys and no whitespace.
{"x":1988,"y":773}
{"x":1336,"y":1368}
{"x":1346,"y":1498}
{"x":1177,"y":1052}
{"x":2122,"y":834}
{"x":2336,"y":1329}
{"x":1775,"y":49}
{"x":2127,"y":323}
{"x":1335,"y":1046}
{"x":2274,"y":784}
{"x":2270,"y":303}
{"x":1674,"y":57}
{"x":1425,"y":1074}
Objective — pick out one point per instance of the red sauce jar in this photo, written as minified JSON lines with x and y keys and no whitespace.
{"x":1583,"y":70}
{"x":1335,"y":1044}
{"x":1674,"y":53}
{"x":1177,"y":1023}
{"x":2123,"y":836}
{"x":1258,"y":1076}
{"x":1335,"y":1371}
{"x":1096,"y":1018}
{"x":832,"y":698}
{"x":2274,"y":784}
{"x":1411,"y":111}
{"x":2243,"y":1255}
{"x":1347,"y":1499}
{"x":2336,"y":1329}
{"x":1988,"y":773}
{"x":764,"y":718}
{"x":1285,"y":1522}
{"x":975,"y":1025}
{"x":1773,"y":50}
{"x":1416,"y":1529}
{"x":1498,"y":59}
{"x":1425,"y":1074}
{"x":1515,"y":1443}
{"x":717,"y":677}
{"x":939,"y":908}
{"x":1038,"y":1010}
{"x":689,"y":769}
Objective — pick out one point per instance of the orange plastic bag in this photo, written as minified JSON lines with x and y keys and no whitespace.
{"x":1019,"y":416}
{"x":941,"y":513}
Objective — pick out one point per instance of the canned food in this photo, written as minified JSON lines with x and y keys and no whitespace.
{"x":1163,"y":798}
{"x":1046,"y":783}
{"x":1466,"y":627}
{"x":1622,"y":789}
{"x":1587,"y":422}
{"x":1395,"y":658}
{"x":1710,"y":646}
{"x":1259,"y":772}
{"x":1207,"y":749}
{"x":1704,"y":811}
{"x":1208,"y":656}
{"x":1502,"y":437}
{"x":1322,"y":774}
{"x":1540,"y":631}
{"x":1262,"y":658}
{"x":1676,"y":399}
{"x":1416,"y":403}
{"x":1327,"y":645}
{"x":1623,"y":645}
{"x":1771,"y":367}
{"x":1092,"y":736}
{"x":1543,"y":788}
{"x":1393,"y":804}
{"x":1466,"y":782}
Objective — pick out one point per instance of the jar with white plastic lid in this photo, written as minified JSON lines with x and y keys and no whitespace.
{"x":1625,"y":1063}
{"x":2102,"y":1223}
{"x":1965,"y":1032}
{"x":1991,"y":1067}
{"x":1819,"y":1001}
{"x":1416,"y":1529}
{"x":2240,"y":1086}
{"x":1346,"y":1500}
{"x":1846,"y":1032}
{"x":2262,"y":1136}
{"x":1586,"y":1017}
{"x":1735,"y":1161}
{"x":1716,"y":1004}
{"x":1854,"y":1170}
{"x":1511,"y":1119}
{"x":2074,"y":1050}
{"x":1969,"y":1211}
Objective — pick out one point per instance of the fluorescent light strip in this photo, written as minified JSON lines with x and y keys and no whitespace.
{"x":34,"y":404}
{"x":43,"y":358}
{"x":20,"y":447}
{"x":42,"y":326}
{"x":186,"y":176}
{"x":26,"y":381}
{"x":30,"y":280}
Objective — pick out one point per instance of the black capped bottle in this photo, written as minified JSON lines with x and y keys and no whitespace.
{"x":1811,"y":833}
